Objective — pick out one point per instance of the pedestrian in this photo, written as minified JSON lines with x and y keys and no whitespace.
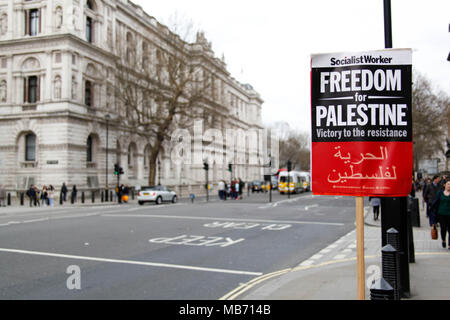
{"x":376,"y":202}
{"x":440,"y":213}
{"x":221,"y":190}
{"x":38,"y":196}
{"x":3,"y":196}
{"x":51,"y":195}
{"x":44,"y":195}
{"x":233,"y":190}
{"x":241,"y":187}
{"x":31,"y":193}
{"x":431,"y":192}
{"x":236,"y":188}
{"x":74,"y":193}
{"x":64,"y":191}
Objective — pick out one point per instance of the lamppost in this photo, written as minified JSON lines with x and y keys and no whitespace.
{"x":159,"y":172}
{"x":107,"y":118}
{"x":206,"y":168}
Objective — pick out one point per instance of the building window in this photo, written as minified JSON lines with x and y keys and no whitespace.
{"x":30,"y":147}
{"x":31,"y":89}
{"x":32,"y":22}
{"x":90,"y":5}
{"x":88,"y":94}
{"x":89,"y":30}
{"x":89,"y":149}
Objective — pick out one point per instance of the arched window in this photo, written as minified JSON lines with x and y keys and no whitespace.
{"x":90,"y":4}
{"x":89,"y":149}
{"x":89,"y":30}
{"x":30,"y":147}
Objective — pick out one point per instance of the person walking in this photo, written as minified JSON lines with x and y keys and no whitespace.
{"x":236,"y":188}
{"x":241,"y":187}
{"x":376,"y":202}
{"x":64,"y":191}
{"x":221,"y":190}
{"x":51,"y":195}
{"x":3,"y":196}
{"x":440,"y":212}
{"x":74,"y":193}
{"x":31,"y":193}
{"x":44,"y":196}
{"x":431,"y":192}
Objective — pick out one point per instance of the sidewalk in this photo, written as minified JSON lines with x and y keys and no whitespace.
{"x":331,"y":274}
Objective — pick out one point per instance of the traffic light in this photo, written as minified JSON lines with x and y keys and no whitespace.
{"x":205,"y":166}
{"x":230,"y":167}
{"x":118,"y":170}
{"x":289,"y":165}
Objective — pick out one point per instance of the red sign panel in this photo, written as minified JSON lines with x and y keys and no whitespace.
{"x":362,"y":123}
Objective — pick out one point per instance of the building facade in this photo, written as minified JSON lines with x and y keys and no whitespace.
{"x":57,"y":68}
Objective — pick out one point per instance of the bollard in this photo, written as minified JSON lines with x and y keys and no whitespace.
{"x":101,"y":197}
{"x":82,"y":197}
{"x":21,"y":198}
{"x":93,"y":196}
{"x":111,"y":196}
{"x":9,"y":199}
{"x":106,"y":195}
{"x":413,"y":210}
{"x":61,"y":198}
{"x":132,"y":194}
{"x":71,"y":198}
{"x":391,"y":268}
{"x":393,"y":238}
{"x":381,"y":290}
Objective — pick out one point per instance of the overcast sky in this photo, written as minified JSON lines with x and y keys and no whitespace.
{"x":269,"y":43}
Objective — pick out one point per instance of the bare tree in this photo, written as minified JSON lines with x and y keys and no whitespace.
{"x":294,"y":145}
{"x":162,"y":87}
{"x":430,"y":118}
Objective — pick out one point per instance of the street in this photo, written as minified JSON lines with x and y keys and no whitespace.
{"x":171,"y":251}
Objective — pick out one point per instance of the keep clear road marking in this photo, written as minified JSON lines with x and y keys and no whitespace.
{"x":138,"y":263}
{"x":217,"y":219}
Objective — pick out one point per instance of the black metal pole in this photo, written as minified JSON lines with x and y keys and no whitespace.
{"x":106,"y":164}
{"x":207,"y":187}
{"x":394,"y":210}
{"x":387,"y":24}
{"x":270,"y":191}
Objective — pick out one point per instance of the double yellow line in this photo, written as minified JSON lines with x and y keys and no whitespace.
{"x":247,"y":286}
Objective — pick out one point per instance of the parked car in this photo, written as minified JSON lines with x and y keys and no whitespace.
{"x":157,"y":194}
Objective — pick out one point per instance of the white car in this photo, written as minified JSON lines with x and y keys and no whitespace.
{"x":157,"y":194}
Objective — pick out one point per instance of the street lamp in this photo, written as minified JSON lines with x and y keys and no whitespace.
{"x":159,"y":172}
{"x":107,"y":118}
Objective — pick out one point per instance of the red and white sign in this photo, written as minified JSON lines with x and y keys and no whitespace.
{"x":362,"y":123}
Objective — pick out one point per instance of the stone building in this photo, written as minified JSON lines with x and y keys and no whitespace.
{"x":57,"y":65}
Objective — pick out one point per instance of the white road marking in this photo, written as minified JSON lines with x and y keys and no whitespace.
{"x":311,"y":206}
{"x":52,"y":217}
{"x":139,"y":263}
{"x":307,"y":263}
{"x":218,"y":219}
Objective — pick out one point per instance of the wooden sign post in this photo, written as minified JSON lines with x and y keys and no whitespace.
{"x":360,"y":247}
{"x":361,"y":129}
